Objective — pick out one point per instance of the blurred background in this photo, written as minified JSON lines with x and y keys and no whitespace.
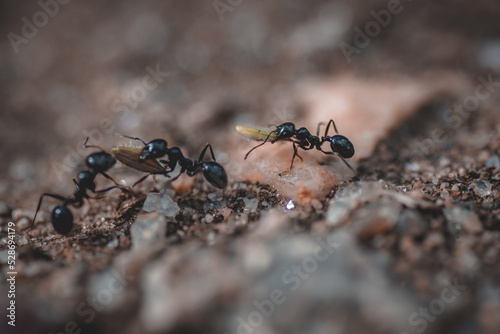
{"x":188,"y":72}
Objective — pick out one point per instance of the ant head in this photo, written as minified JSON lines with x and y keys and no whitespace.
{"x":86,"y":180}
{"x":154,"y":149}
{"x":62,"y":219}
{"x":341,"y":145}
{"x":285,"y":130}
{"x":215,"y":174}
{"x":302,"y":133}
{"x":100,"y":162}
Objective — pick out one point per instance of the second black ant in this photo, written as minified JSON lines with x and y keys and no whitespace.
{"x":145,"y":160}
{"x":97,"y":163}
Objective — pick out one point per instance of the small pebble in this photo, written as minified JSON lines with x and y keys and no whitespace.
{"x":411,"y":223}
{"x":147,"y":230}
{"x":481,"y":188}
{"x":251,"y":204}
{"x":213,"y":196}
{"x":18,"y":214}
{"x":493,"y":161}
{"x":162,"y":204}
{"x":316,"y":204}
{"x":209,"y":218}
{"x":113,"y":243}
{"x":464,"y":218}
{"x":23,"y":223}
{"x":21,"y":240}
{"x":433,"y":240}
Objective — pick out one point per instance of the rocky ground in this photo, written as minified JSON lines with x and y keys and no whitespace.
{"x":409,"y":243}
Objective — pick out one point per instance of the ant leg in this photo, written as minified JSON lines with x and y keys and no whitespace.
{"x":77,"y":185}
{"x":175,"y":178}
{"x":90,"y":146}
{"x":167,"y":165}
{"x":154,"y":183}
{"x":202,"y":154}
{"x":99,"y":192}
{"x":110,"y":178}
{"x":267,"y":138}
{"x":111,"y":188}
{"x":347,"y":164}
{"x":140,"y":180}
{"x":328,"y":127}
{"x":319,"y":126}
{"x":295,"y":153}
{"x":59,"y":197}
{"x":193,"y":172}
{"x":135,"y":138}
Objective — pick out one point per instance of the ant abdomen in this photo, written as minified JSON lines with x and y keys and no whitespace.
{"x":62,"y":219}
{"x":215,"y":174}
{"x":342,"y":146}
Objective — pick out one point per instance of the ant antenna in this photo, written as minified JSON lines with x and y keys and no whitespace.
{"x":202,"y":154}
{"x":135,"y":138}
{"x":328,"y":127}
{"x":267,"y":138}
{"x":90,"y":146}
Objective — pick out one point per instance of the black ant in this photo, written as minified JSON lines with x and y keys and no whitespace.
{"x":145,"y":160}
{"x":339,"y":144}
{"x":98,"y":163}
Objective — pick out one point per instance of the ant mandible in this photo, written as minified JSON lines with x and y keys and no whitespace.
{"x":98,"y":163}
{"x":340,"y":145}
{"x":145,"y":160}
